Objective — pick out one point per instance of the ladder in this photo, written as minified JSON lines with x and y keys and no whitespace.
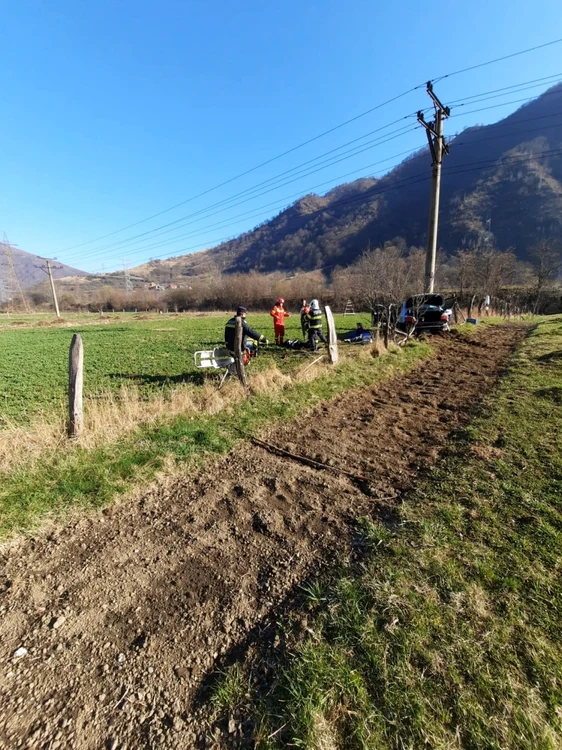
{"x":349,"y":308}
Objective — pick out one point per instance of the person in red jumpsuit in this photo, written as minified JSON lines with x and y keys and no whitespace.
{"x":279,"y":314}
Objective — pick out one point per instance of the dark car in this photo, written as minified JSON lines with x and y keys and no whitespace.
{"x":425,"y":313}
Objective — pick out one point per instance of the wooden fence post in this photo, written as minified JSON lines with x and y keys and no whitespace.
{"x":239,"y":353}
{"x":387,"y":327}
{"x":333,"y":354}
{"x":75,"y":383}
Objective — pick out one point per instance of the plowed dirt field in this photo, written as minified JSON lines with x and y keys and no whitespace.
{"x":124,"y":612}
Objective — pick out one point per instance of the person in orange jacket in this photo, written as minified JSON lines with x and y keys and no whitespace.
{"x":279,"y":314}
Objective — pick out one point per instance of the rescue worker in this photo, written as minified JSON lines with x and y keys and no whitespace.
{"x":247,"y":332}
{"x":305,"y":309}
{"x":279,"y":314}
{"x":314,"y":319}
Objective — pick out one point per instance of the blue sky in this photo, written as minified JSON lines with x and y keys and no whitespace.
{"x":115,"y":110}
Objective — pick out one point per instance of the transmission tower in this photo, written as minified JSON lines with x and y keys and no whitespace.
{"x":128,"y":282}
{"x":4,"y":292}
{"x":12,"y":284}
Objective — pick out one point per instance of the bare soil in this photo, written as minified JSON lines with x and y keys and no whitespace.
{"x":124,"y":612}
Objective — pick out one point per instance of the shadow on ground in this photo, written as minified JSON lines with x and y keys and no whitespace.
{"x":551,"y":394}
{"x":197,"y":378}
{"x":551,"y":357}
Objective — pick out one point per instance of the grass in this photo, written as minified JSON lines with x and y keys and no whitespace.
{"x":151,"y":354}
{"x":444,"y":630}
{"x":77,"y":477}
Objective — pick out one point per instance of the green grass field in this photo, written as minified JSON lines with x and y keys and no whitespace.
{"x":150,"y":352}
{"x":446,"y":631}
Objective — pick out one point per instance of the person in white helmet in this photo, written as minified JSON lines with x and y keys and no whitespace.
{"x":314,"y":319}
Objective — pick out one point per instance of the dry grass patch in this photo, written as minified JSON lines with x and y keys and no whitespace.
{"x":323,"y":737}
{"x":377,"y":347}
{"x":269,"y":381}
{"x":486,"y":452}
{"x":108,"y":418}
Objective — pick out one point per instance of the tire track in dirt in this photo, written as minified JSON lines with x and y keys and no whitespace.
{"x":125,"y":611}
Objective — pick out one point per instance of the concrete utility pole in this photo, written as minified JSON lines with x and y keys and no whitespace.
{"x":438,"y":147}
{"x":49,"y":271}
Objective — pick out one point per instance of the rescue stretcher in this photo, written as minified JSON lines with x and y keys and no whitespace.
{"x":222,"y":359}
{"x":215,"y":359}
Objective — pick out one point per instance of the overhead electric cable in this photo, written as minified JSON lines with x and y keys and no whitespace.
{"x":332,"y":162}
{"x":414,"y":179}
{"x":504,"y":104}
{"x":535,"y":81}
{"x":352,"y":152}
{"x":125,"y":242}
{"x":258,"y":166}
{"x":281,"y":202}
{"x":496,"y":60}
{"x":313,"y":139}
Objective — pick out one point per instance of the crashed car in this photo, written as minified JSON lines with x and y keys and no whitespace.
{"x":424,"y":313}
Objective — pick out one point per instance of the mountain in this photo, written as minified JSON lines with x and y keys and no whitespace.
{"x":25,"y":266}
{"x":505,"y":178}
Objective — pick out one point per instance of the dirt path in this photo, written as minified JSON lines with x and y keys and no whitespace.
{"x":123,"y":613}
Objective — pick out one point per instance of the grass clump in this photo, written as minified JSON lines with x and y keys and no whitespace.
{"x":443,"y":629}
{"x":231,"y":690}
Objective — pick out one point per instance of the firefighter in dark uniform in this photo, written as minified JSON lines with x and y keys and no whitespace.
{"x":247,"y":332}
{"x":314,"y":319}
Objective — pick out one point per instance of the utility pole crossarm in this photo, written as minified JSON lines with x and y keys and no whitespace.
{"x":431,"y":135}
{"x":436,"y":101}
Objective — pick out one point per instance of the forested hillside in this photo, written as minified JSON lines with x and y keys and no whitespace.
{"x":26,"y":268}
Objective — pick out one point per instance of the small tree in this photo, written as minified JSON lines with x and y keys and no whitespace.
{"x":546,"y":255}
{"x":388,"y":275}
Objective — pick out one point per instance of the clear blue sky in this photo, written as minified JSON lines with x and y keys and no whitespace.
{"x":114,"y":110}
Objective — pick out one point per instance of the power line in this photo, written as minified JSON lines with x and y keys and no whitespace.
{"x":496,"y":60}
{"x":538,"y":81}
{"x":406,"y":182}
{"x":281,"y":200}
{"x":505,"y":104}
{"x":135,"y":239}
{"x":352,"y":152}
{"x":253,"y":169}
{"x":144,"y":236}
{"x":279,"y":203}
{"x":202,"y":230}
{"x":313,"y":139}
{"x":520,"y":90}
